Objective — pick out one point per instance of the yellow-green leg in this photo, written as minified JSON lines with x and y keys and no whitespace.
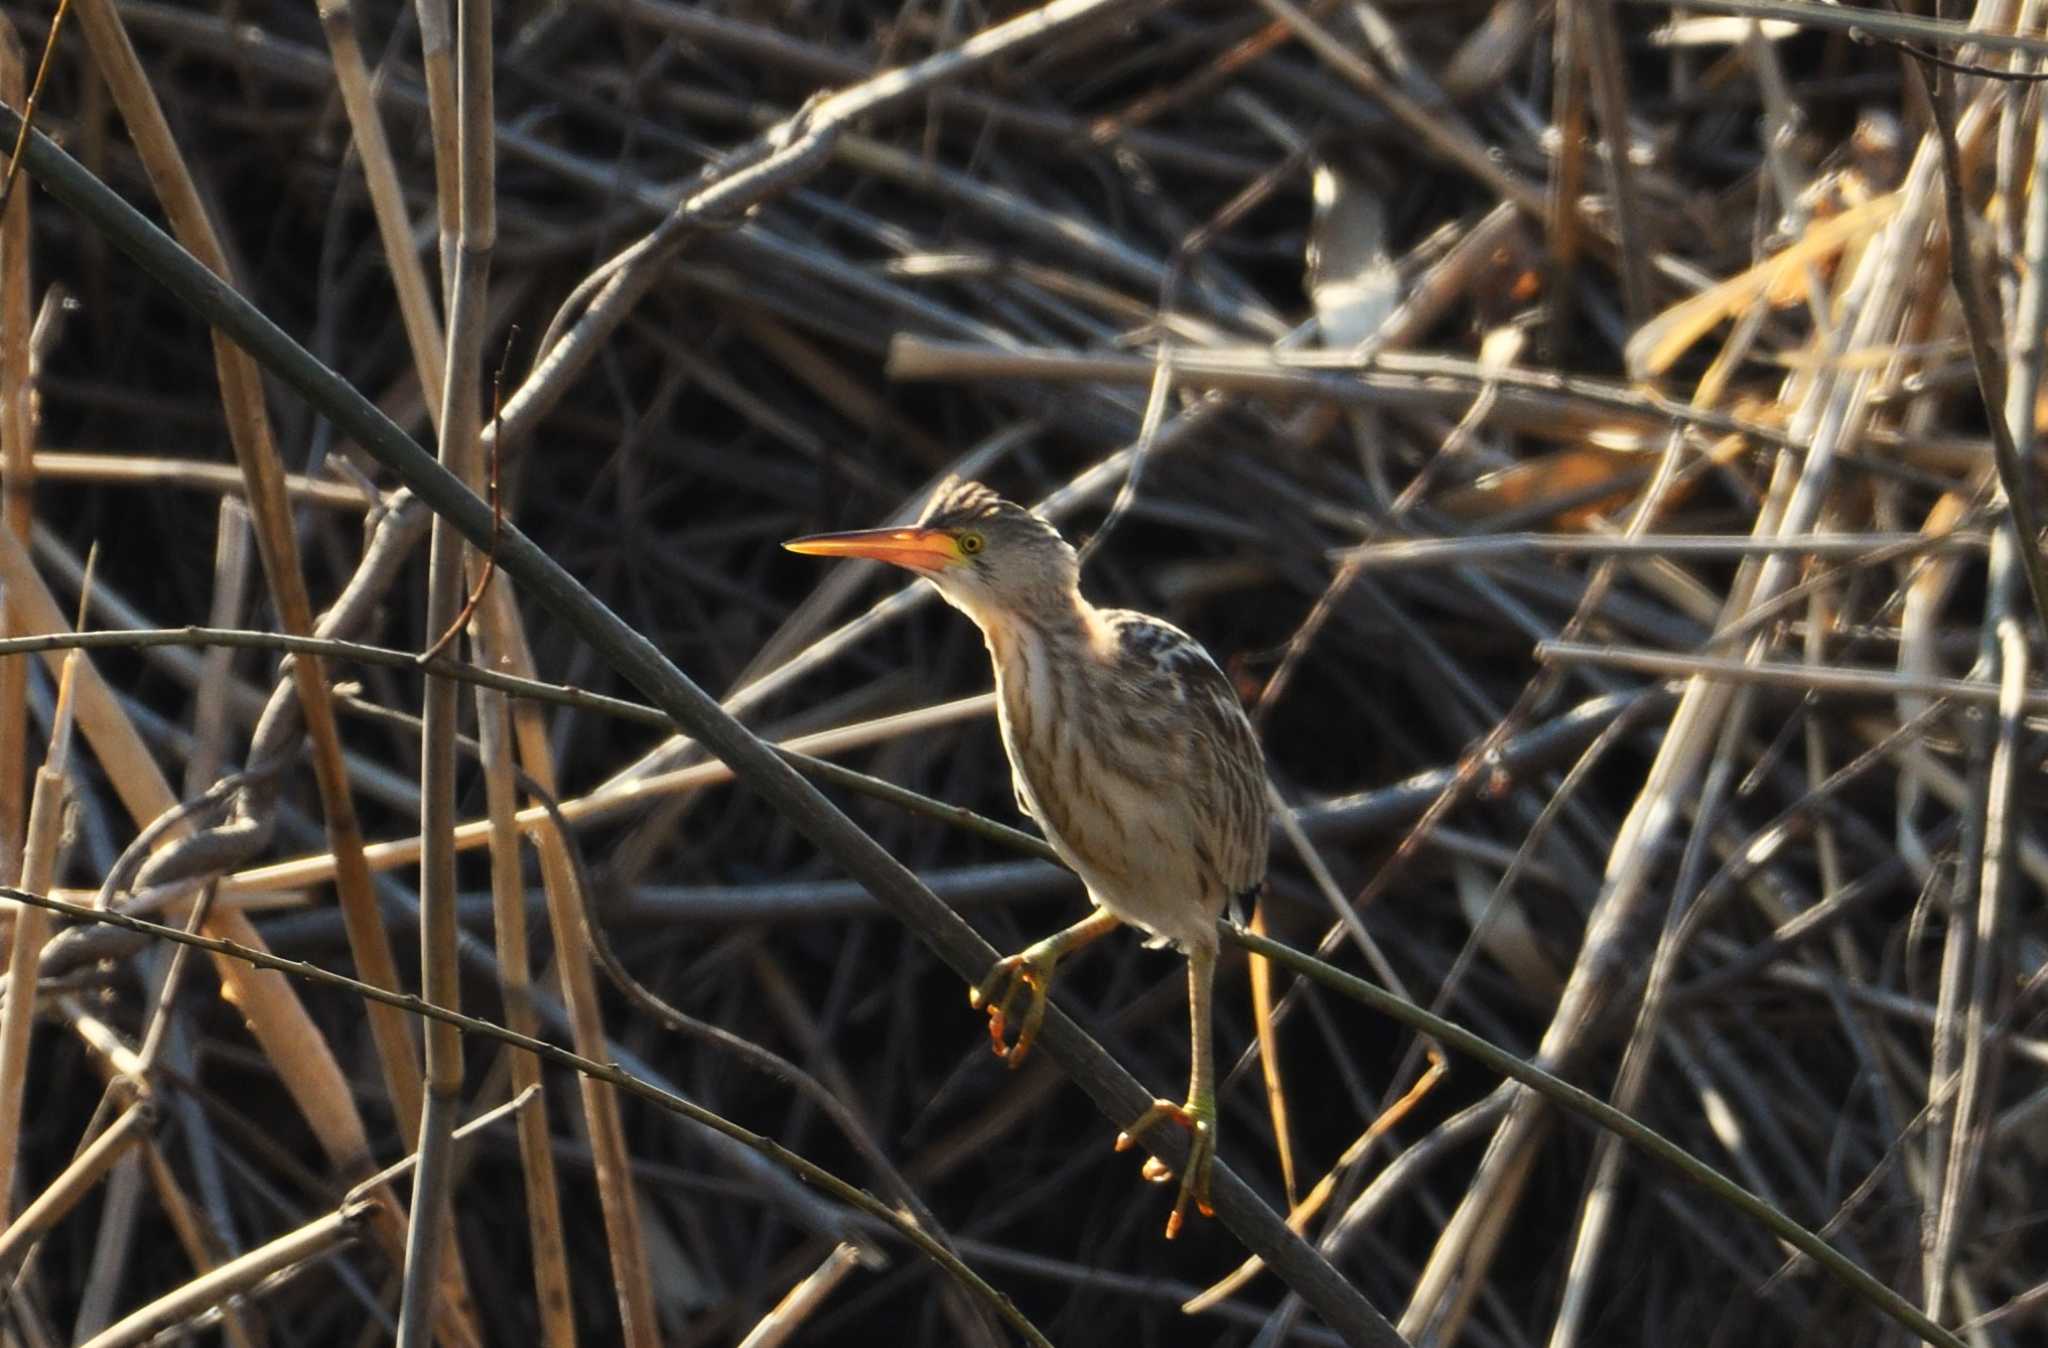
{"x":1198,"y":1115}
{"x":1029,"y":973}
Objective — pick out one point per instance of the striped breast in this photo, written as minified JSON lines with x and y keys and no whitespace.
{"x":1145,"y":783}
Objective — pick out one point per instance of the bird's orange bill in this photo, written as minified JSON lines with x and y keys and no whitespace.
{"x":918,"y":549}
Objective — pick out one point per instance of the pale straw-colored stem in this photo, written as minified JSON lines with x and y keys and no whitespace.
{"x":71,"y":1186}
{"x":504,"y":641}
{"x":17,"y":472}
{"x":156,"y":472}
{"x":321,"y":1236}
{"x":303,"y":1058}
{"x":606,"y":802}
{"x":416,"y":307}
{"x":440,"y":977}
{"x":552,"y":1296}
{"x":255,"y":452}
{"x":31,"y":931}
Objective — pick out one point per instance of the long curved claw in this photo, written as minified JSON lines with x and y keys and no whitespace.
{"x":1199,"y":1118}
{"x":1018,"y":975}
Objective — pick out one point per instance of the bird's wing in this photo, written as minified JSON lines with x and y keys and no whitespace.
{"x":1198,"y":732}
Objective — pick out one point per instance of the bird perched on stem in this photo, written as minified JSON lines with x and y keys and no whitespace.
{"x":1129,"y":748}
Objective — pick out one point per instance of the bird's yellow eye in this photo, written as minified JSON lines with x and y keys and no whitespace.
{"x":970,"y":543}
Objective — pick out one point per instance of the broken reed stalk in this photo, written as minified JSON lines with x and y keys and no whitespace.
{"x":32,"y":930}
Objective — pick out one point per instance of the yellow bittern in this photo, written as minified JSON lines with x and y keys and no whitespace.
{"x":1129,"y":748}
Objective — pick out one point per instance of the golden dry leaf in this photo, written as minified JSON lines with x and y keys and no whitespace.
{"x":1778,"y":280}
{"x":1564,"y":475}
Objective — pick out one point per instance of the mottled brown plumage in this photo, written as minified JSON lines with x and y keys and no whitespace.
{"x":1127,"y":745}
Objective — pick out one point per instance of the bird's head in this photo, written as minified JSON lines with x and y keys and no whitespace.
{"x":989,"y":557}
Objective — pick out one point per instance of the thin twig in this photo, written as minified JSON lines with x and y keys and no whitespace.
{"x":35,"y":96}
{"x":558,"y":1057}
{"x":1636,"y":1134}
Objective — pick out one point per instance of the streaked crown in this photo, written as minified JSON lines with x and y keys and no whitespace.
{"x":958,"y":502}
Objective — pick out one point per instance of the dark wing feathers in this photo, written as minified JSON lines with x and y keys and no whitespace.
{"x":1226,"y":776}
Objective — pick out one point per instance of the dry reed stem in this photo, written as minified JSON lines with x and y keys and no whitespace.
{"x":71,"y":1185}
{"x":17,"y":470}
{"x":1831,"y":414}
{"x":1270,"y":1071}
{"x":553,"y":1300}
{"x":157,"y":471}
{"x":505,"y":639}
{"x":38,"y":868}
{"x":200,"y":1249}
{"x":1973,"y":968}
{"x":469,"y":255}
{"x":803,"y":1300}
{"x":607,"y":802}
{"x":465,"y":271}
{"x":239,"y":1276}
{"x":416,"y":306}
{"x":304,"y":1060}
{"x":255,"y":451}
{"x":231,"y":568}
{"x":1821,"y":1017}
{"x":438,"y":60}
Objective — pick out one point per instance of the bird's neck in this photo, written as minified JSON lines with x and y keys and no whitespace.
{"x":1063,"y":621}
{"x":1038,"y":654}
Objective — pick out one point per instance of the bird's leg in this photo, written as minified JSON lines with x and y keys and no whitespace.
{"x":1029,"y":973}
{"x":1198,"y":1115}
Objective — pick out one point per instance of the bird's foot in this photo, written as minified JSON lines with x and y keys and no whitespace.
{"x":1199,"y":1118}
{"x":1028,"y":975}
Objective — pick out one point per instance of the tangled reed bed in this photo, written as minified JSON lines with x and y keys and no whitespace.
{"x":1560,"y":421}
